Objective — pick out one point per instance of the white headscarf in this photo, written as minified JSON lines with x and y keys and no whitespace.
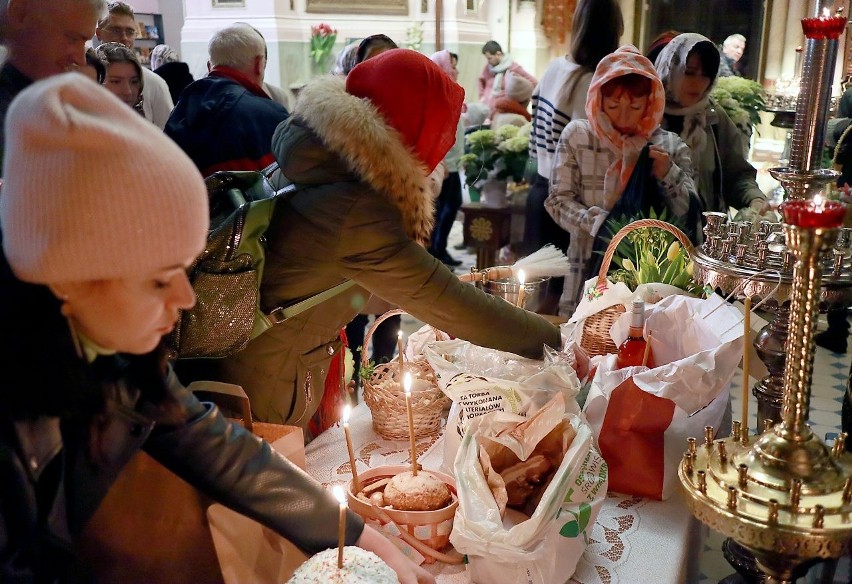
{"x":671,"y":65}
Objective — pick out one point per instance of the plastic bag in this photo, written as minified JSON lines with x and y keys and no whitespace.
{"x":642,"y":417}
{"x":546,"y":546}
{"x":481,"y":380}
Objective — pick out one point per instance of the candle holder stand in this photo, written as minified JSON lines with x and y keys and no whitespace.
{"x":780,"y":495}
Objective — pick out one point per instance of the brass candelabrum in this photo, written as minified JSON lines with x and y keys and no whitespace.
{"x":782,"y":494}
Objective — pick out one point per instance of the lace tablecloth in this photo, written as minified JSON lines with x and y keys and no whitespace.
{"x":633,"y":541}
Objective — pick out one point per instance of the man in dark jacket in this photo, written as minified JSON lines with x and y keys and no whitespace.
{"x":44,"y":38}
{"x":225,"y":121}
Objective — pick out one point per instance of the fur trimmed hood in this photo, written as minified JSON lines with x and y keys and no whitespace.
{"x":353,"y":129}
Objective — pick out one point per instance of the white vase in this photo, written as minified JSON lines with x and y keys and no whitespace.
{"x":494,"y":193}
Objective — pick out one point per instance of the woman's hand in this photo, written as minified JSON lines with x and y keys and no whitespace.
{"x":407,"y":571}
{"x":661,"y":162}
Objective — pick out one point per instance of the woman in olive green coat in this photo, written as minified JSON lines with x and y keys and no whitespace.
{"x":360,"y":152}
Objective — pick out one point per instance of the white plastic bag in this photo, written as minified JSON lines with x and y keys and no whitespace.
{"x":642,"y":417}
{"x":546,"y":547}
{"x":481,"y":380}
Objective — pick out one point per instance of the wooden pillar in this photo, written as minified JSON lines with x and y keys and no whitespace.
{"x":439,"y":17}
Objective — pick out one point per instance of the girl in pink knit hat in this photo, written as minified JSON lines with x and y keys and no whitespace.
{"x":595,"y":159}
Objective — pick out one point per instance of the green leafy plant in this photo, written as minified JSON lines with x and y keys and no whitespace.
{"x":322,"y":42}
{"x":365,"y":372}
{"x":650,"y":255}
{"x":742,"y":99}
{"x":496,"y":154}
{"x":414,"y":36}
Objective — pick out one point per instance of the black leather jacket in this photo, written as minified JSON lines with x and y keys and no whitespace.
{"x":50,"y":485}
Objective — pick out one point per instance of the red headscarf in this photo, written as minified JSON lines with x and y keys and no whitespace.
{"x":415,"y":97}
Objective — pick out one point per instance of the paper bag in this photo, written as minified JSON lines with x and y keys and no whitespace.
{"x":250,"y":552}
{"x":642,"y":417}
{"x":546,"y":546}
{"x":247,"y":551}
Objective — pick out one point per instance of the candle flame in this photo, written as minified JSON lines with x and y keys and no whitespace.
{"x":399,"y":335}
{"x":407,"y":384}
{"x":826,"y":12}
{"x":347,"y":410}
{"x":339,"y":494}
{"x":522,"y":277}
{"x":819,"y":202}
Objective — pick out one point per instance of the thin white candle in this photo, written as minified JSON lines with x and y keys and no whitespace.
{"x":522,"y":292}
{"x":356,"y":483}
{"x":338,"y":492}
{"x":746,"y":359}
{"x":400,"y":351}
{"x":407,"y":385}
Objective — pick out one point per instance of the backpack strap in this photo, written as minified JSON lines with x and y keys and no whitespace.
{"x":281,"y":313}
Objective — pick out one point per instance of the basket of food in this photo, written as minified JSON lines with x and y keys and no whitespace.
{"x":420,"y":507}
{"x":385,"y":396}
{"x":595,"y":338}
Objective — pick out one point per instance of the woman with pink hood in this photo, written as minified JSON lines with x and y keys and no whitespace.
{"x":595,"y":159}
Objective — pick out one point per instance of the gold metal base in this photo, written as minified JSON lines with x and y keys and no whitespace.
{"x":786,"y":501}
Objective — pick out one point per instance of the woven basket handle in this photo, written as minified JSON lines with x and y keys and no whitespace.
{"x":640,"y":224}
{"x":365,"y":362}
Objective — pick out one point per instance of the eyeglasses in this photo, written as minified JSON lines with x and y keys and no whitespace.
{"x":121,"y":32}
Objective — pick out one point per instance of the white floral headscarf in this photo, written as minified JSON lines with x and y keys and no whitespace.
{"x":671,"y":65}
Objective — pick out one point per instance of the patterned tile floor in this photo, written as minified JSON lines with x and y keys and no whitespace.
{"x":830,"y":374}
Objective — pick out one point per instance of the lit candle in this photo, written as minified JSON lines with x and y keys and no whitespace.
{"x":400,"y":351}
{"x":410,"y":423}
{"x":522,"y":292}
{"x":356,"y":483}
{"x":341,"y":525}
{"x":812,"y":214}
{"x":746,"y":358}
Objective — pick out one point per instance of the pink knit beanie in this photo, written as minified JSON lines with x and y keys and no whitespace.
{"x":91,"y":190}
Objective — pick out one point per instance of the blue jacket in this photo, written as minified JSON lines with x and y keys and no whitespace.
{"x":221,"y":125}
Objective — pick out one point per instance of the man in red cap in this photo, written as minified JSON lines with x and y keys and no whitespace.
{"x":360,"y":151}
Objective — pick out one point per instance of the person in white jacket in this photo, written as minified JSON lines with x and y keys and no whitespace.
{"x":560,"y":97}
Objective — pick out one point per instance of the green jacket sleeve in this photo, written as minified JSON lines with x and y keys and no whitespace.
{"x":739,"y":184}
{"x":376,"y":253}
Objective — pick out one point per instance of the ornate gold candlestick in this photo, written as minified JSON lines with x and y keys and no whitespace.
{"x":785,"y":497}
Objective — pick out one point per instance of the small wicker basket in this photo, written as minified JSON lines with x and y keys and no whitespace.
{"x":385,"y":396}
{"x":427,"y":531}
{"x":595,"y":339}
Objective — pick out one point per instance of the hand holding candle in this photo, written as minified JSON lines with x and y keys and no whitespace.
{"x":340,"y":495}
{"x":407,"y":386}
{"x":356,"y":483}
{"x":522,"y":291}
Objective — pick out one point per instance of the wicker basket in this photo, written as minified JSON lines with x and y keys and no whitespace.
{"x":427,"y":531}
{"x":595,"y":339}
{"x":385,"y":396}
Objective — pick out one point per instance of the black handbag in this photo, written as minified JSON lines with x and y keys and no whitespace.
{"x":641,"y":194}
